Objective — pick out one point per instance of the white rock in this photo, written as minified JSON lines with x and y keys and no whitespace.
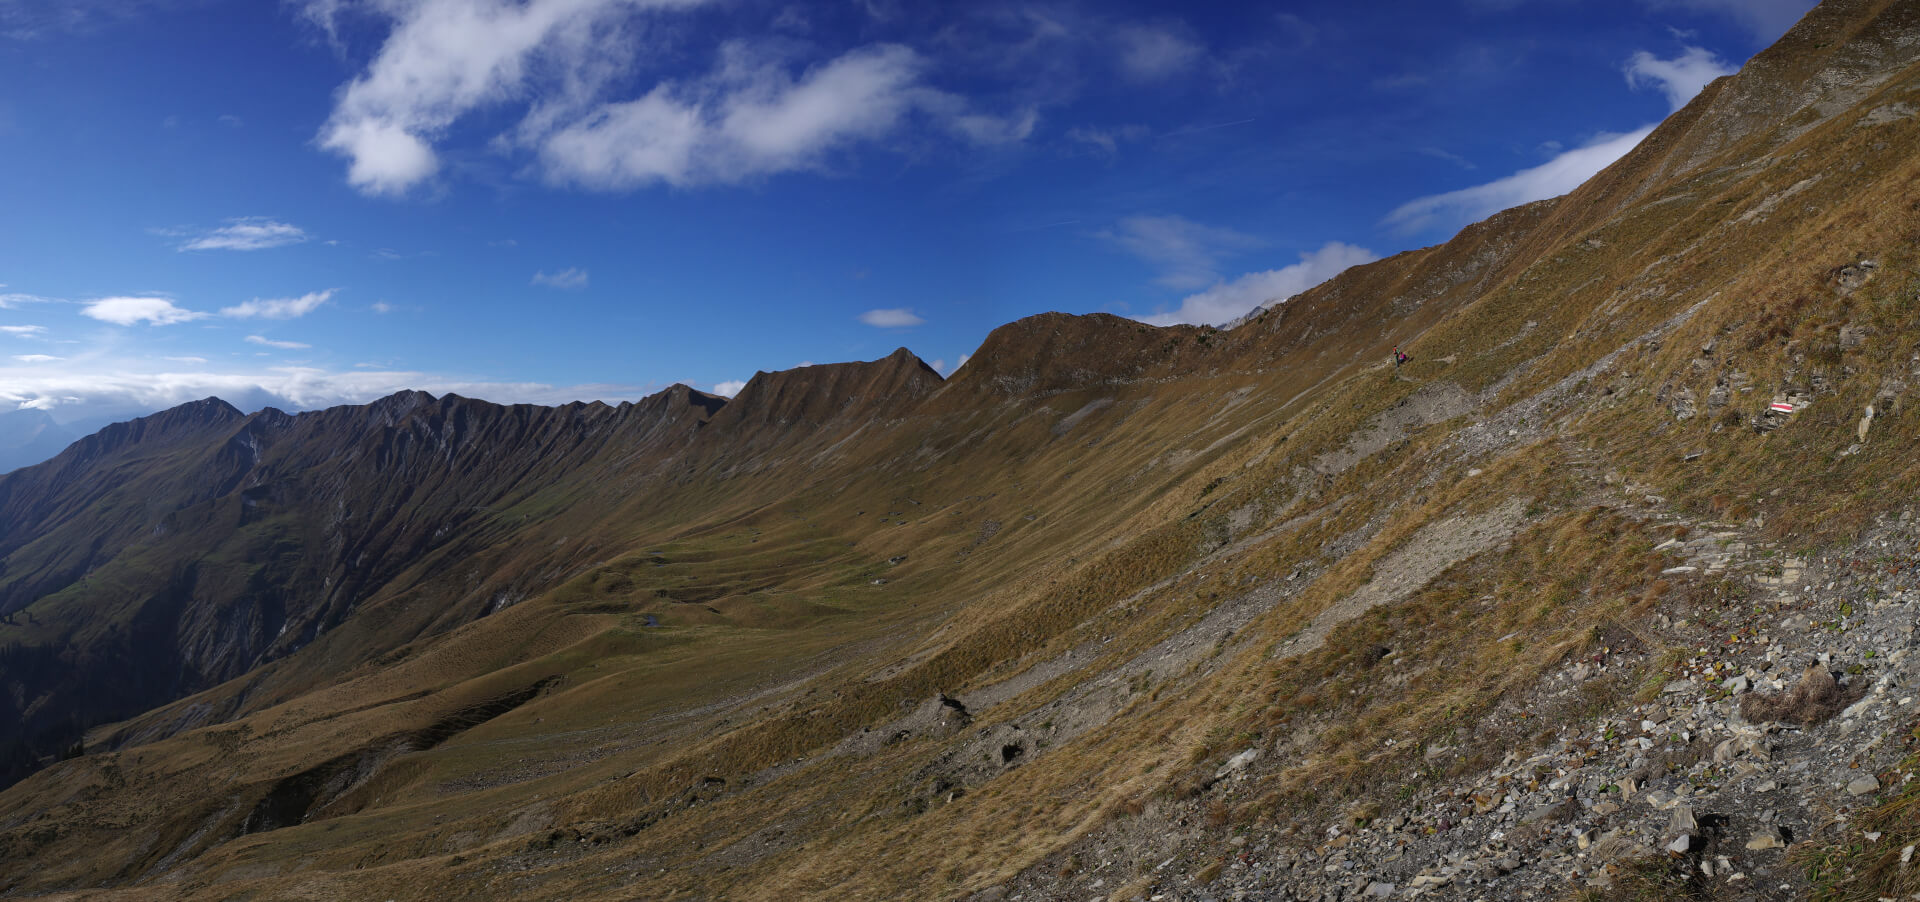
{"x":1682,"y":820}
{"x":1237,"y":762}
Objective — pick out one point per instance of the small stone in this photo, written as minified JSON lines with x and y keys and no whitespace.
{"x":1680,"y":844}
{"x":1661,"y":799}
{"x":1682,"y":820}
{"x":1605,"y":808}
{"x":1862,"y":785}
{"x":1906,"y":855}
{"x":1765,"y":786}
{"x":1768,"y":838}
{"x":1872,"y":836}
{"x":1584,"y":838}
{"x":1237,"y":762}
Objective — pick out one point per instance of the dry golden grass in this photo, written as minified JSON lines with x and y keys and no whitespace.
{"x":690,"y":758}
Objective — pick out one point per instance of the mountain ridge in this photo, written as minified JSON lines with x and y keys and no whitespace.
{"x":1110,"y":596}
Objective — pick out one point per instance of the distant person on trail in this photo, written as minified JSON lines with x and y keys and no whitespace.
{"x":1399,"y":358}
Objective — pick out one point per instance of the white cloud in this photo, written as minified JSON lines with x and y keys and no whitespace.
{"x":893,"y":318}
{"x":729,"y":388}
{"x":751,"y":115}
{"x":127,"y":311}
{"x":1228,"y":300}
{"x":445,"y":58}
{"x":186,"y":359}
{"x":1550,"y":179}
{"x":24,"y":331}
{"x":112,"y":385}
{"x":284,"y":345}
{"x":381,"y":307}
{"x":15,"y":299}
{"x":1150,"y":53}
{"x":35,"y":358}
{"x":247,"y":234}
{"x":386,"y":158}
{"x":1680,"y":78}
{"x":986,"y":129}
{"x":1186,"y":252}
{"x":279,"y":308}
{"x":1106,"y":140}
{"x":571,"y":279}
{"x":751,"y":119}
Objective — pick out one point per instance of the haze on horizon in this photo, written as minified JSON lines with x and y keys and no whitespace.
{"x":324,"y":201}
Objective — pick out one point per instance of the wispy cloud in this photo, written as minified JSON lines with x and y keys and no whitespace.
{"x":1765,"y":19}
{"x":892,"y":318}
{"x":1229,"y":300}
{"x":1156,"y":52}
{"x":271,"y":343}
{"x":126,"y":311}
{"x":29,"y":21}
{"x":1442,"y":154}
{"x":1186,"y":252}
{"x":729,"y":388}
{"x":759,"y":111}
{"x":1550,"y":179}
{"x":1106,"y":141}
{"x":278,"y":308}
{"x":247,"y":234}
{"x":186,"y":359}
{"x":570,"y":279}
{"x":114,"y":385}
{"x":14,"y":299}
{"x":1680,"y":79}
{"x":24,"y":331}
{"x":36,"y":358}
{"x":751,"y":119}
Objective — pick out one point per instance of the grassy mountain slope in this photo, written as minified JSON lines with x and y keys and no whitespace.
{"x":861,"y":633}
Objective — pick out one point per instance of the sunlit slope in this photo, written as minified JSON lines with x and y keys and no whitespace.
{"x":864,"y":634}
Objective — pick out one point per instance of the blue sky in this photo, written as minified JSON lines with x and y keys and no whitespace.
{"x":318,"y":202}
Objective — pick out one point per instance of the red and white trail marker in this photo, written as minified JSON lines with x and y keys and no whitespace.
{"x":1780,"y":408}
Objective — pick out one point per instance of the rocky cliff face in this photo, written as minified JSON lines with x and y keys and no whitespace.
{"x":1116,"y":611}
